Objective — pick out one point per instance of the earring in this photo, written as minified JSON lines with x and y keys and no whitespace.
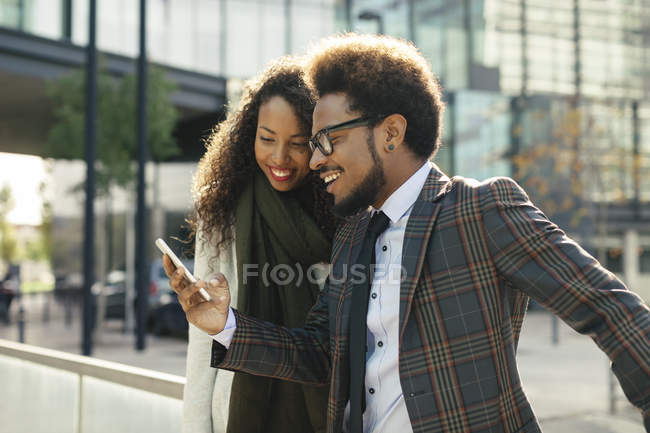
{"x":391,"y":147}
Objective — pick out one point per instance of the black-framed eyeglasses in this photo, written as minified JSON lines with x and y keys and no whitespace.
{"x":322,"y":141}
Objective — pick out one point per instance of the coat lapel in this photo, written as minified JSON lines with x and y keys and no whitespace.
{"x":345,"y":273}
{"x":416,"y":238}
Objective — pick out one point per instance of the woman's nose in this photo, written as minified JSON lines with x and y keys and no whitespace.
{"x":280,"y":153}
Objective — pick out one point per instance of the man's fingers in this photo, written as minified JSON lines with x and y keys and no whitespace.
{"x":191,"y":292}
{"x":168,"y":265}
{"x":190,"y":297}
{"x":219,"y":278}
{"x":177,"y":281}
{"x":218,"y":283}
{"x":197,"y":298}
{"x":216,"y":289}
{"x":181,"y":286}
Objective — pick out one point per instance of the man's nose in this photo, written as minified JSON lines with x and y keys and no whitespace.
{"x":317,"y":160}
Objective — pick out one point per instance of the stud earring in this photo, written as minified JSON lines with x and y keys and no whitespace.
{"x":391,"y":147}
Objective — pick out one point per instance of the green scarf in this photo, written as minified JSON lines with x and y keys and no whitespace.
{"x":272,"y":229}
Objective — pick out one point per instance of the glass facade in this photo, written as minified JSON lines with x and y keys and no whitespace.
{"x":644,"y":261}
{"x":607,"y":140}
{"x":518,"y":74}
{"x":642,"y":158}
{"x":39,"y":17}
{"x":481,"y":139}
{"x":440,"y":34}
{"x":589,"y":47}
{"x":526,"y":78}
{"x":231,"y":38}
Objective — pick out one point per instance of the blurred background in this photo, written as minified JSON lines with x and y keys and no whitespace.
{"x":555,"y":94}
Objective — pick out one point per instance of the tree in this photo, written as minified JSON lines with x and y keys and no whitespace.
{"x":41,"y":249}
{"x":116,"y":129}
{"x":116,"y":123}
{"x":551,"y":170}
{"x":8,"y":243}
{"x":581,"y":168}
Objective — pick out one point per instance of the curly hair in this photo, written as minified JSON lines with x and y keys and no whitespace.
{"x":381,"y":75}
{"x":229,"y":164}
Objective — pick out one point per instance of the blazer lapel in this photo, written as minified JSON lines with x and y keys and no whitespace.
{"x":346,"y":273}
{"x":357,"y":239}
{"x":419,"y":228}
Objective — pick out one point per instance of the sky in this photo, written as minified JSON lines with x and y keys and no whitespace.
{"x":23,"y":174}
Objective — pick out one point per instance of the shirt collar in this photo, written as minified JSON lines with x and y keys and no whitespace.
{"x":400,"y":201}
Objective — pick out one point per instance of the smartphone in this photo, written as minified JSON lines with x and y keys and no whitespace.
{"x":164,"y":248}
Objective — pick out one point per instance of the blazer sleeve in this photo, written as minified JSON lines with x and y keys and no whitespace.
{"x":536,"y":257}
{"x":265,"y":349}
{"x":206,"y":396}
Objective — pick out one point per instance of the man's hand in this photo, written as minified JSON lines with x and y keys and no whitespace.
{"x":209,"y":316}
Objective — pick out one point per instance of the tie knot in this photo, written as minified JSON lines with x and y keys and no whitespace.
{"x":378,"y":223}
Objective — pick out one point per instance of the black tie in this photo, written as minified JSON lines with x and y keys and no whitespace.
{"x":358,"y":322}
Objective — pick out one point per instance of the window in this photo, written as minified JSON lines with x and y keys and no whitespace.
{"x":644,"y":261}
{"x":614,"y":261}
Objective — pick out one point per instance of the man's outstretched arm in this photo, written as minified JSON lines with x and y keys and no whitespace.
{"x":540,"y":260}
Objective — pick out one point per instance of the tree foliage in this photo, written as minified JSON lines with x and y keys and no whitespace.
{"x":576,"y":168}
{"x":116,"y":142}
{"x":8,"y":243}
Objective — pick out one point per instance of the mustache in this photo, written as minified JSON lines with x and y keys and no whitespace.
{"x":329,"y":168}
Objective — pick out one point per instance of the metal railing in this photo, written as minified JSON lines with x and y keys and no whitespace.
{"x":163,"y":392}
{"x":159,"y":383}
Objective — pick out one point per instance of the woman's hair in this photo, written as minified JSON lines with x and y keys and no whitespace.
{"x":229,"y":164}
{"x":381,"y":75}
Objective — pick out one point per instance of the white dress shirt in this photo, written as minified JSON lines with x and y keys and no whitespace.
{"x":385,"y":407}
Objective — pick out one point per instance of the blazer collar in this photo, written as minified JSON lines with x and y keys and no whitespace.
{"x":436,"y":185}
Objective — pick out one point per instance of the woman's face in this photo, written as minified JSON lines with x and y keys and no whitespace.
{"x":281,"y":148}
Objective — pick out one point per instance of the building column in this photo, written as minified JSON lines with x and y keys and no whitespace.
{"x":631,"y":258}
{"x":66,"y":20}
{"x":288,"y":24}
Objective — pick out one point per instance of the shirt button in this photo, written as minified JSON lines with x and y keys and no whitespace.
{"x":411,"y":394}
{"x":380,"y":344}
{"x":371,"y":390}
{"x":373,"y":296}
{"x":384,"y":248}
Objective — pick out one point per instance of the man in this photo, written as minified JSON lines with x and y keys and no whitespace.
{"x":432,"y":351}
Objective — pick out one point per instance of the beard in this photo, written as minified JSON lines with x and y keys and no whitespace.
{"x":365,"y":194}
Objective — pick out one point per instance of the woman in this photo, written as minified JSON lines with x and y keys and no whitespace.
{"x":257,"y":203}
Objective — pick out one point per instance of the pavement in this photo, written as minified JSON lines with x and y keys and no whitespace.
{"x":567,"y":383}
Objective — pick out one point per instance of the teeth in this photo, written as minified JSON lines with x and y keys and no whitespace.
{"x":281,"y":173}
{"x":332,"y":177}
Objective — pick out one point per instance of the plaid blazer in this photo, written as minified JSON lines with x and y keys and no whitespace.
{"x":472,"y":255}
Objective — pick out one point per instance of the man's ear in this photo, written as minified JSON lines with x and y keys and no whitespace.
{"x":394,"y":131}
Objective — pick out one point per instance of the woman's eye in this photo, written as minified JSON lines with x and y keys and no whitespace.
{"x":299,"y":144}
{"x":266,"y":139}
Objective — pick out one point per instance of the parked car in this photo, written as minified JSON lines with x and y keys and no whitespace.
{"x":68,"y":287}
{"x":114,"y":291}
{"x":164,"y":314}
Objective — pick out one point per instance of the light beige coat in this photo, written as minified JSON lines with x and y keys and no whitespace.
{"x":206,"y":395}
